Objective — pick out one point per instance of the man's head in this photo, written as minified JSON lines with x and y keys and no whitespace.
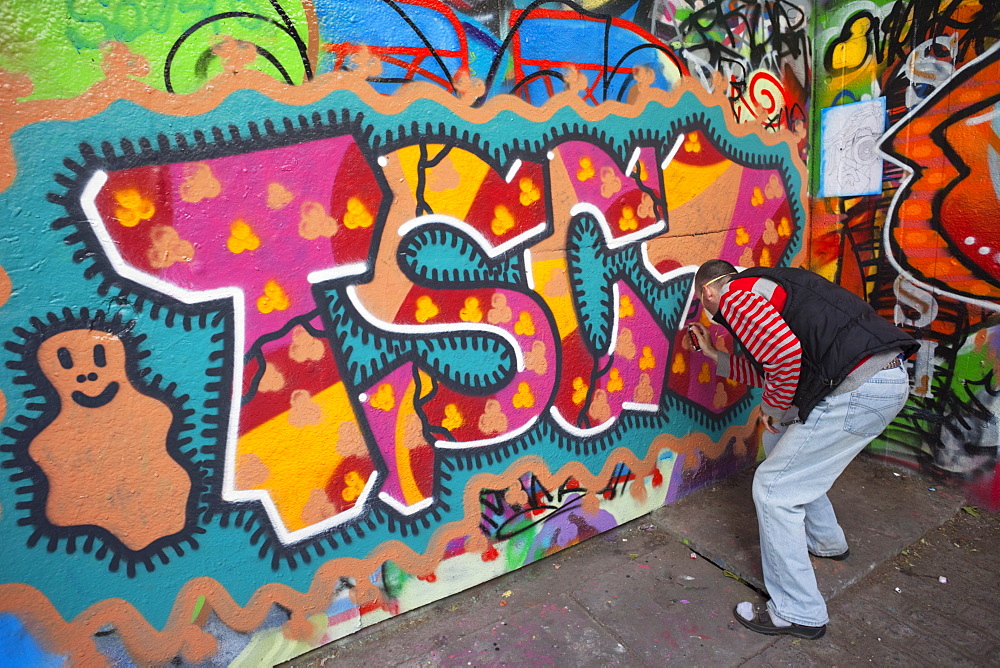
{"x":709,"y":281}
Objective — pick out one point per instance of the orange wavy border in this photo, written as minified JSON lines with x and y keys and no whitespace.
{"x":180,"y":637}
{"x":119,"y":85}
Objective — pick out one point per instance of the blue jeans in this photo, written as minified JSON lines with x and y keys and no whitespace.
{"x":790,"y":486}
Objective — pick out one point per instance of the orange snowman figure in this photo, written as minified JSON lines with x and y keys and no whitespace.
{"x":105,"y":453}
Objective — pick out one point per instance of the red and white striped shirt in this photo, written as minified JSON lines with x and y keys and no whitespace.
{"x":752,"y":307}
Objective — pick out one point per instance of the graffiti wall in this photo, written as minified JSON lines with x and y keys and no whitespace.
{"x":311,"y":315}
{"x":914,"y":231}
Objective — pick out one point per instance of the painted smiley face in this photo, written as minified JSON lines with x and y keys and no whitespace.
{"x":85,"y":367}
{"x":100,"y":361}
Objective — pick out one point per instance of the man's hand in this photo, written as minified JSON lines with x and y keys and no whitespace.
{"x":707,"y":349}
{"x":766,"y":420}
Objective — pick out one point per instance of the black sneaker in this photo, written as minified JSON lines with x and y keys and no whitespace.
{"x":761,"y":623}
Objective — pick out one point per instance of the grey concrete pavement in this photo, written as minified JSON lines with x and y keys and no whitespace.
{"x":881,"y":510}
{"x":643,"y":594}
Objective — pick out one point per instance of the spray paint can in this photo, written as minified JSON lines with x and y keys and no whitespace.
{"x":694,"y":339}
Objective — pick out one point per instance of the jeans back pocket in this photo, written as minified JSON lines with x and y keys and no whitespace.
{"x":869,"y":414}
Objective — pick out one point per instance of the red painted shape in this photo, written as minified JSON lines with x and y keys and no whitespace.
{"x":341,"y":478}
{"x":352,"y":245}
{"x":154,"y":184}
{"x":968,"y":210}
{"x":314,"y":376}
{"x":495,"y":191}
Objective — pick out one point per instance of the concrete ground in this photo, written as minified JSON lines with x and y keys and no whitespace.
{"x":662,"y":588}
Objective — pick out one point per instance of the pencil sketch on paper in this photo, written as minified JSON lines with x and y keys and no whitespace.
{"x":850,"y":162}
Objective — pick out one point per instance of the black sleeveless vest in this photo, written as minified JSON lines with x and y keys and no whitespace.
{"x":836,"y":328}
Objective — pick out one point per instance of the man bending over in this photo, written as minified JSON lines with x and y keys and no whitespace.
{"x":831,"y":369}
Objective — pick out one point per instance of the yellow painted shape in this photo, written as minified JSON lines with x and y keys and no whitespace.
{"x":354,"y":484}
{"x":853,"y":51}
{"x":561,"y":306}
{"x":426,"y":383}
{"x":471,"y":311}
{"x":426,"y":309}
{"x":503,"y":222}
{"x":452,"y":417}
{"x":384,"y":399}
{"x":404,"y":466}
{"x":357,"y":215}
{"x":765,"y":258}
{"x":683,"y":183}
{"x":524,"y":326}
{"x":299,"y":459}
{"x":273,"y":299}
{"x":643,"y":174}
{"x":678,"y":366}
{"x":647,"y":361}
{"x":524,"y":398}
{"x":529,"y":191}
{"x":242,"y":237}
{"x":615,"y":382}
{"x":454,"y":201}
{"x":628,"y":221}
{"x":626,"y":309}
{"x":579,"y":390}
{"x":132,"y":207}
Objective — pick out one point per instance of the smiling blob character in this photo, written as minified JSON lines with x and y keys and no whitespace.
{"x":105,"y":453}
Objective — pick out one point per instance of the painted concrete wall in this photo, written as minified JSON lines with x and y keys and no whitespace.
{"x":919,"y":81}
{"x":314,"y":313}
